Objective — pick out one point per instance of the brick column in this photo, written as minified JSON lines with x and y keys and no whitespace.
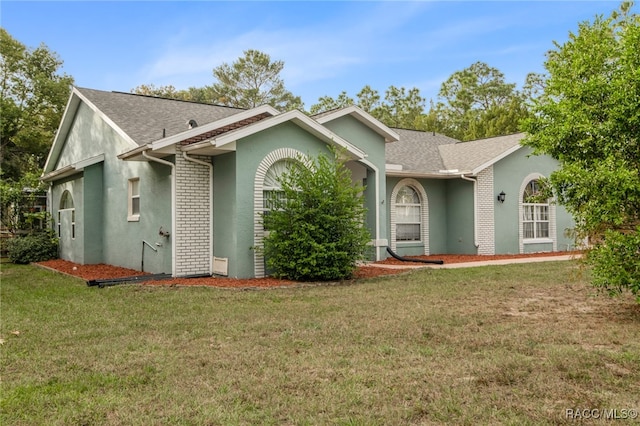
{"x":193,"y":231}
{"x":486,"y":221}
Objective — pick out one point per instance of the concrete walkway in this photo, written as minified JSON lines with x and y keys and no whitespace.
{"x":413,"y":265}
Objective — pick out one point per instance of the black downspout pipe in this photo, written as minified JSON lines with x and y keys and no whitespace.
{"x":406,"y":259}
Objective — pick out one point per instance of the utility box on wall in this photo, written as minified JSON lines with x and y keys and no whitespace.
{"x":221,"y":266}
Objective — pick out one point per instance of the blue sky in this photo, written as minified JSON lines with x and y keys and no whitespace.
{"x":327,"y":47}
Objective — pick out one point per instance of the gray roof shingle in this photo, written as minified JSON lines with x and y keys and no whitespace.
{"x":417,"y":151}
{"x":467,"y":156}
{"x":143,"y":118}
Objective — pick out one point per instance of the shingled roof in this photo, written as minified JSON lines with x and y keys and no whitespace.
{"x":472,"y":156}
{"x":417,"y":151}
{"x":144,"y":118}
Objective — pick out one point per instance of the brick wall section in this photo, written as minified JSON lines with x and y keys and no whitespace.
{"x":193,"y":216}
{"x":486,"y":204}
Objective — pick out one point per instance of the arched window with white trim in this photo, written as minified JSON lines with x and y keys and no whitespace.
{"x":537,"y":217}
{"x":66,"y":204}
{"x":265,"y":183}
{"x":408,"y":218}
{"x":409,"y":215}
{"x":535,"y":213}
{"x":272,"y":187}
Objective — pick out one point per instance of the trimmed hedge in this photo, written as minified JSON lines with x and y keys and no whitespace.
{"x":33,"y":248}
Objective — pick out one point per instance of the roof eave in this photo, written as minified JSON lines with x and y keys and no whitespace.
{"x":174,"y":139}
{"x":497,"y":158}
{"x":365,"y":118}
{"x":71,"y":169}
{"x":300,"y":120}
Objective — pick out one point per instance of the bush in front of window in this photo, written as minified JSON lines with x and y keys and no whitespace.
{"x":315,"y":225}
{"x":33,"y":248}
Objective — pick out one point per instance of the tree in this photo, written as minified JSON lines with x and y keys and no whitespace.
{"x":33,"y":96}
{"x":194,"y":94}
{"x":17,"y":200}
{"x":316,"y":230}
{"x":251,"y":81}
{"x":588,"y":118}
{"x":327,"y":103}
{"x":400,"y":108}
{"x":478,"y":103}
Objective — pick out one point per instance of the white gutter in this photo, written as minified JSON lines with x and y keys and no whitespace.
{"x":173,"y":206}
{"x":475,"y":208}
{"x":210,"y":166}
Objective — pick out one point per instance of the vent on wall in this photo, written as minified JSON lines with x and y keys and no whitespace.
{"x":221,"y":266}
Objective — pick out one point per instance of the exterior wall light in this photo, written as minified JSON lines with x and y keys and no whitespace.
{"x":501,"y":196}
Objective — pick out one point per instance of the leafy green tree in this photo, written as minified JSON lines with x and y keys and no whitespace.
{"x":400,"y":108}
{"x":195,"y":94}
{"x":16,"y":200}
{"x":251,"y":81}
{"x":33,"y":96}
{"x":327,"y":103}
{"x":477,"y":103}
{"x":316,"y":230}
{"x":588,"y":118}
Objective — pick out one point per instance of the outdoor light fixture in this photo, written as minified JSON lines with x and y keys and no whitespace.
{"x":501,"y":196}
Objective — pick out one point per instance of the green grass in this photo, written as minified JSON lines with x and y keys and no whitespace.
{"x":517,"y":344}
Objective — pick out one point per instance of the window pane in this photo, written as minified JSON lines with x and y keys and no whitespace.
{"x":407,"y":214}
{"x":543,"y":213}
{"x":135,"y":187}
{"x":542,"y":230}
{"x":407,"y":195}
{"x":527,"y":230}
{"x":135,"y":206}
{"x":527,"y":212}
{"x":408,"y":232}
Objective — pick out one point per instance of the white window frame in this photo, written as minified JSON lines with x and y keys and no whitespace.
{"x":400,"y":218}
{"x":535,"y":214}
{"x":424,"y":215}
{"x":133,"y":216}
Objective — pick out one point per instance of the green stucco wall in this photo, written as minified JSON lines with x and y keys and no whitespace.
{"x":106,"y":199}
{"x":224,"y":207}
{"x":234,"y":176}
{"x":437,"y":205}
{"x":373,"y":144}
{"x":509,"y":174}
{"x":92,"y":218}
{"x":460,"y":226}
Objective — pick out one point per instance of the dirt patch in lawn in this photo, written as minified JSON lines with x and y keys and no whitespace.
{"x":102,"y":271}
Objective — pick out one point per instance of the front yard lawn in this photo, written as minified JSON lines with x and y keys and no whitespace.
{"x":516,"y":344}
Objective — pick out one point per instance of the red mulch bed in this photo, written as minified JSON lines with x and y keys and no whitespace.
{"x":102,"y":271}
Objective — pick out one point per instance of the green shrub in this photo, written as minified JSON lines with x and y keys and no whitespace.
{"x":33,"y":248}
{"x":316,"y":222}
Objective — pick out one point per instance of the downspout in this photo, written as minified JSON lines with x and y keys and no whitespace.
{"x":173,"y":205}
{"x":475,"y":208}
{"x":375,"y":169}
{"x":210,"y":166}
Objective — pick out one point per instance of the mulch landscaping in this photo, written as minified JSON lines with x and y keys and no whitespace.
{"x":102,"y":271}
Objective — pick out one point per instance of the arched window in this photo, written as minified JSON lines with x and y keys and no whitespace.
{"x":535,"y":213}
{"x":66,"y":201}
{"x":271,"y":187}
{"x":266,"y":181}
{"x":408,"y":215}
